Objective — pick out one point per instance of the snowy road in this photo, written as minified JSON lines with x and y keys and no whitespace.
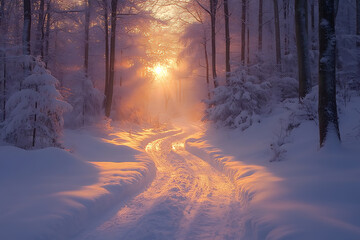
{"x":188,"y":199}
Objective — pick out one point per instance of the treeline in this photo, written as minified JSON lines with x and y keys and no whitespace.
{"x":33,"y":50}
{"x":267,"y":40}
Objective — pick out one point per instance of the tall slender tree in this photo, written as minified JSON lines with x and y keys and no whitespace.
{"x":47,"y":33}
{"x":3,"y":30}
{"x":260,"y":25}
{"x":110,"y":92}
{"x":277,"y":34}
{"x":213,"y":8}
{"x":302,"y":44}
{"x":39,"y":45}
{"x":328,"y":118}
{"x":243,"y":31}
{"x":106,"y":35}
{"x":212,"y":12}
{"x":227,"y":39}
{"x":86,"y":42}
{"x":286,"y":5}
{"x":27,"y":27}
{"x":358,"y":21}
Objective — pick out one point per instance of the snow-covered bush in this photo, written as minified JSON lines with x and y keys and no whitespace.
{"x":35,"y":118}
{"x":284,"y":87}
{"x":238,"y":104}
{"x":86,"y":101}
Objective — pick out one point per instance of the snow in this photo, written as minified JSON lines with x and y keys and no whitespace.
{"x":210,"y":183}
{"x":312,"y":194}
{"x":53,"y":193}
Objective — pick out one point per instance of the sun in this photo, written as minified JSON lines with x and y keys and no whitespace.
{"x":160,"y":72}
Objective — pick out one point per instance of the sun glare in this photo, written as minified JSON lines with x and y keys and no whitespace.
{"x":160,"y":72}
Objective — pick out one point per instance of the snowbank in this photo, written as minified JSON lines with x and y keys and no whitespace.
{"x":54,"y":194}
{"x":310,"y":194}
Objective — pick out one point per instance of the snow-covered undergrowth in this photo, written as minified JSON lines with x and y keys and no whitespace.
{"x":54,"y":194}
{"x":310,"y":193}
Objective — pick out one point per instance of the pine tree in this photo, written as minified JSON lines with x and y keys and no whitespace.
{"x":36,"y":111}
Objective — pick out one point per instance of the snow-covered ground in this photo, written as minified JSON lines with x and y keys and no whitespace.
{"x":189,"y":181}
{"x":54,"y":193}
{"x":188,"y":199}
{"x":311,"y":193}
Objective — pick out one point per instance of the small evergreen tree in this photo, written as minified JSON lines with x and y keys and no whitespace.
{"x":86,"y":101}
{"x":237,"y":104}
{"x":35,"y":117}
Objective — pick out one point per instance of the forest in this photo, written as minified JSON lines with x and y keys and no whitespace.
{"x":179,"y":119}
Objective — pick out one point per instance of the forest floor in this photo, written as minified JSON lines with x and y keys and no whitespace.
{"x":186,"y":181}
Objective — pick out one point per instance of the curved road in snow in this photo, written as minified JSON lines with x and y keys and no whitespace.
{"x":188,"y":199}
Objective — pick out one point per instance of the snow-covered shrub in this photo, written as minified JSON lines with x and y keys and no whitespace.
{"x":86,"y":101}
{"x":282,"y":136}
{"x":35,"y":118}
{"x":238,"y":104}
{"x":284,"y":87}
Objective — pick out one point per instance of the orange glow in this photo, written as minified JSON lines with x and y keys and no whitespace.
{"x":160,"y":72}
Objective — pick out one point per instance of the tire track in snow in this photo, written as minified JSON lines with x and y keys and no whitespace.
{"x":188,"y":199}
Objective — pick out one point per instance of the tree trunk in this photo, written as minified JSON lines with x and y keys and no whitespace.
{"x":247,"y":39}
{"x":260,"y":27}
{"x":312,"y":15}
{"x":3,"y":28}
{"x":40,"y":30}
{"x":313,"y":30}
{"x":227,"y":39}
{"x":328,"y":119}
{"x":27,"y":27}
{"x":243,"y":31}
{"x":286,"y":27}
{"x":106,"y":27}
{"x":358,"y":22}
{"x":207,"y":66}
{"x":112,"y":58}
{"x":277,"y":34}
{"x":336,"y":7}
{"x":2,"y":12}
{"x":46,"y":40}
{"x":87,"y":27}
{"x":213,"y":6}
{"x":302,"y":44}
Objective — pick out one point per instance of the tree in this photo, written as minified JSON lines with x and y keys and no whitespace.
{"x":243,"y":31}
{"x":328,"y":118}
{"x":227,"y":38}
{"x":277,"y":34}
{"x":213,"y":7}
{"x":39,"y":46}
{"x":260,"y":25}
{"x":47,"y":33}
{"x":106,"y":28}
{"x":86,"y":46}
{"x":212,"y":13}
{"x":35,"y":112}
{"x":199,"y":40}
{"x":27,"y":27}
{"x":313,"y":32}
{"x":3,"y":30}
{"x":358,"y":21}
{"x":109,"y":94}
{"x":286,"y":6}
{"x":302,"y":44}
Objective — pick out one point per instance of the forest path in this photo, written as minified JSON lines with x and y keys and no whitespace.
{"x":188,"y":199}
